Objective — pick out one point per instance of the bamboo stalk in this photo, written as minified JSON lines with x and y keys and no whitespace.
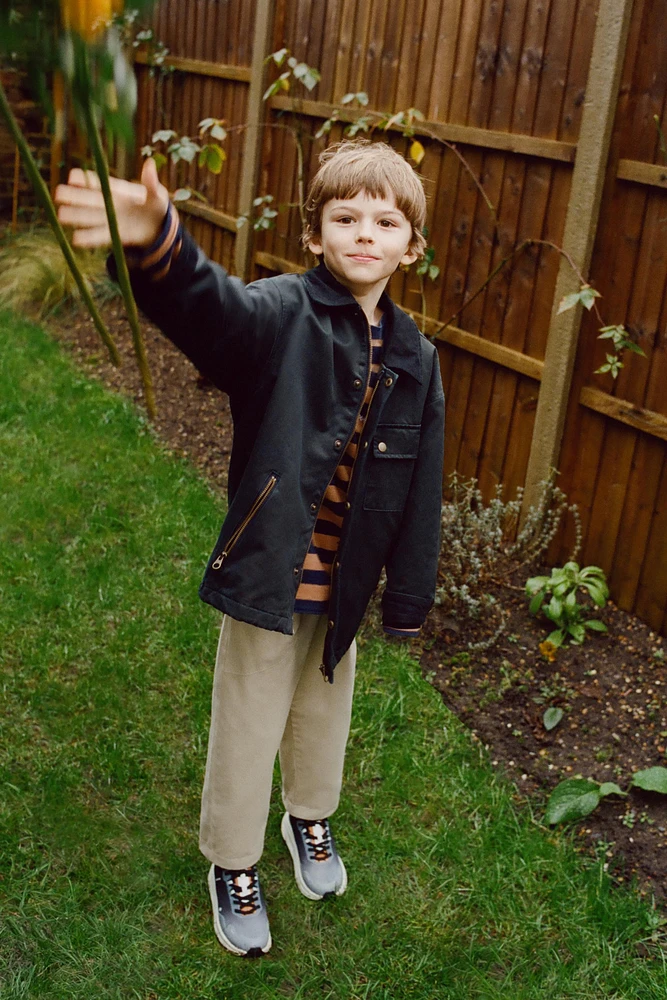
{"x":123,"y":274}
{"x":42,"y":193}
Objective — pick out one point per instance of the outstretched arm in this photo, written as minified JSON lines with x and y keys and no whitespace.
{"x":226,"y":329}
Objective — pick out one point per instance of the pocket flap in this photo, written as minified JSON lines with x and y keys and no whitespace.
{"x":396,"y":441}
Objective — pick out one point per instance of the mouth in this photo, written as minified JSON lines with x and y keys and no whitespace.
{"x":363,"y":257}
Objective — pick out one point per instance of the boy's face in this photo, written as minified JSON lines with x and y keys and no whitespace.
{"x":363,"y":240}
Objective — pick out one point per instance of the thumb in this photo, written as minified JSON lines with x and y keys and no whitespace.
{"x":149,"y":178}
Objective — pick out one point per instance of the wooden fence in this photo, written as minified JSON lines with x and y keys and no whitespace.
{"x":551,"y":103}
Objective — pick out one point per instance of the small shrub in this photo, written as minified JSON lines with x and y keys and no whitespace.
{"x":563,"y":608}
{"x":482,"y":544}
{"x":35,"y":278}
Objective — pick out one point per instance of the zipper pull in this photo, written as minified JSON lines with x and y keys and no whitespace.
{"x":219,"y":561}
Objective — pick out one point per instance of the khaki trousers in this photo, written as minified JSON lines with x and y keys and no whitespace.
{"x":269,"y":697}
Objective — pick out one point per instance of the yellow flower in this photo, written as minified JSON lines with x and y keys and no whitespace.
{"x":88,"y":17}
{"x":548,"y":650}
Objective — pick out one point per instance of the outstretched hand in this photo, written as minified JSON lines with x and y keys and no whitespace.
{"x":140,"y":208}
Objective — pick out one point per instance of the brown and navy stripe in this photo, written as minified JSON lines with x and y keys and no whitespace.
{"x":156,"y":259}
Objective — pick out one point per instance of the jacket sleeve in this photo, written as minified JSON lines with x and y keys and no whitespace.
{"x":226,"y":328}
{"x":412,"y":563}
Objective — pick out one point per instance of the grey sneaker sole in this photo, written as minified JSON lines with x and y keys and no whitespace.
{"x":220,"y":934}
{"x":288,"y":837}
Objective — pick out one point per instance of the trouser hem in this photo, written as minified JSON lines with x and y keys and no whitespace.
{"x":247,"y":861}
{"x":302,"y":812}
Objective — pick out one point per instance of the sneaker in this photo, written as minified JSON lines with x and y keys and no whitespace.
{"x":239,"y":912}
{"x":318,"y":869}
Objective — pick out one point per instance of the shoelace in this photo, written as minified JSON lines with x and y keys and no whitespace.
{"x":318,"y":839}
{"x":244,"y":891}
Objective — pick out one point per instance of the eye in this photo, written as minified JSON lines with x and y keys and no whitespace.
{"x":345,"y":218}
{"x":387,"y":223}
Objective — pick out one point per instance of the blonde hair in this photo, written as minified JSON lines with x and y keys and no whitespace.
{"x":351,"y":166}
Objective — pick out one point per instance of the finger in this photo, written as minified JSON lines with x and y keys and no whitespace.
{"x":84,"y":178}
{"x":68,"y":194}
{"x":86,"y":238}
{"x":87,"y":179}
{"x":149,"y":177}
{"x":82,"y":216}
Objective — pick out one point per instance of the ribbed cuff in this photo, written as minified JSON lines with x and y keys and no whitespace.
{"x":154,"y":261}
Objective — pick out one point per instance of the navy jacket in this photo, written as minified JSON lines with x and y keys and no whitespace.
{"x":292,"y":352}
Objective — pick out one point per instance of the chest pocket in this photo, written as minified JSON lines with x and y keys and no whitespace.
{"x":390,"y":466}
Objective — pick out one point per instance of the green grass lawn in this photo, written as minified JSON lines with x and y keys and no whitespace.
{"x":106,"y":653}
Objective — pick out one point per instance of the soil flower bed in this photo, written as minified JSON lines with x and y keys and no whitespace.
{"x":612,"y":689}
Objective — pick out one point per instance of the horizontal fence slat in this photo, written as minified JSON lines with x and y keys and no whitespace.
{"x":200,"y":67}
{"x":620,"y":409}
{"x":654,"y":174}
{"x":213,"y":215}
{"x":510,"y":142}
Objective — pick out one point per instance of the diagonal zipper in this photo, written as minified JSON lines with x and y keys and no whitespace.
{"x":261,"y":499}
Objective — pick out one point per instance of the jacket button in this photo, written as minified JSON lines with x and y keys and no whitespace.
{"x":338,"y":444}
{"x":388,"y":382}
{"x":382,"y":446}
{"x":357,"y":383}
{"x":347,"y":505}
{"x":365,"y":445}
{"x":296,"y":570}
{"x":313,"y":507}
{"x":330,"y":625}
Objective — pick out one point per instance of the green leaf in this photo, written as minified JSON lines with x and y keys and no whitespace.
{"x":630,"y":345}
{"x":610,"y":788}
{"x":570,"y":602}
{"x":556,"y":637}
{"x":182,"y":194}
{"x":616,"y":333}
{"x":552,"y":717}
{"x":536,"y":583}
{"x":572,"y":799}
{"x":279,"y":56}
{"x":555,"y":609}
{"x":164,"y":135}
{"x":215,"y":157}
{"x":536,"y":603}
{"x":596,"y":625}
{"x":653,"y":779}
{"x":160,"y":160}
{"x":348,"y":98}
{"x":598,"y":594}
{"x":587,"y":296}
{"x":241,"y":221}
{"x":218,"y":132}
{"x":577,"y":631}
{"x":568,"y":302}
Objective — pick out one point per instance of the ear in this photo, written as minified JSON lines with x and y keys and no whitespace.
{"x":315,"y":245}
{"x":409,"y":257}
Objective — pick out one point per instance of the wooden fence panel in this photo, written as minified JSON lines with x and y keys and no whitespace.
{"x":506,"y":80}
{"x":614,"y":472}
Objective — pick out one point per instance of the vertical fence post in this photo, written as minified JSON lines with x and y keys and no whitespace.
{"x":590,"y":165}
{"x":253,"y":137}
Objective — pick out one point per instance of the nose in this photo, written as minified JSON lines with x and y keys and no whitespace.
{"x":365,"y":231}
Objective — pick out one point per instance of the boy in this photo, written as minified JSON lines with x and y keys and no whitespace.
{"x":335,"y":472}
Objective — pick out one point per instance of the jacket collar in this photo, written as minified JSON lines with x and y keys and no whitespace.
{"x":403,"y":347}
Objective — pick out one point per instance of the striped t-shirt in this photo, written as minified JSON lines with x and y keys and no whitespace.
{"x":312,"y":597}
